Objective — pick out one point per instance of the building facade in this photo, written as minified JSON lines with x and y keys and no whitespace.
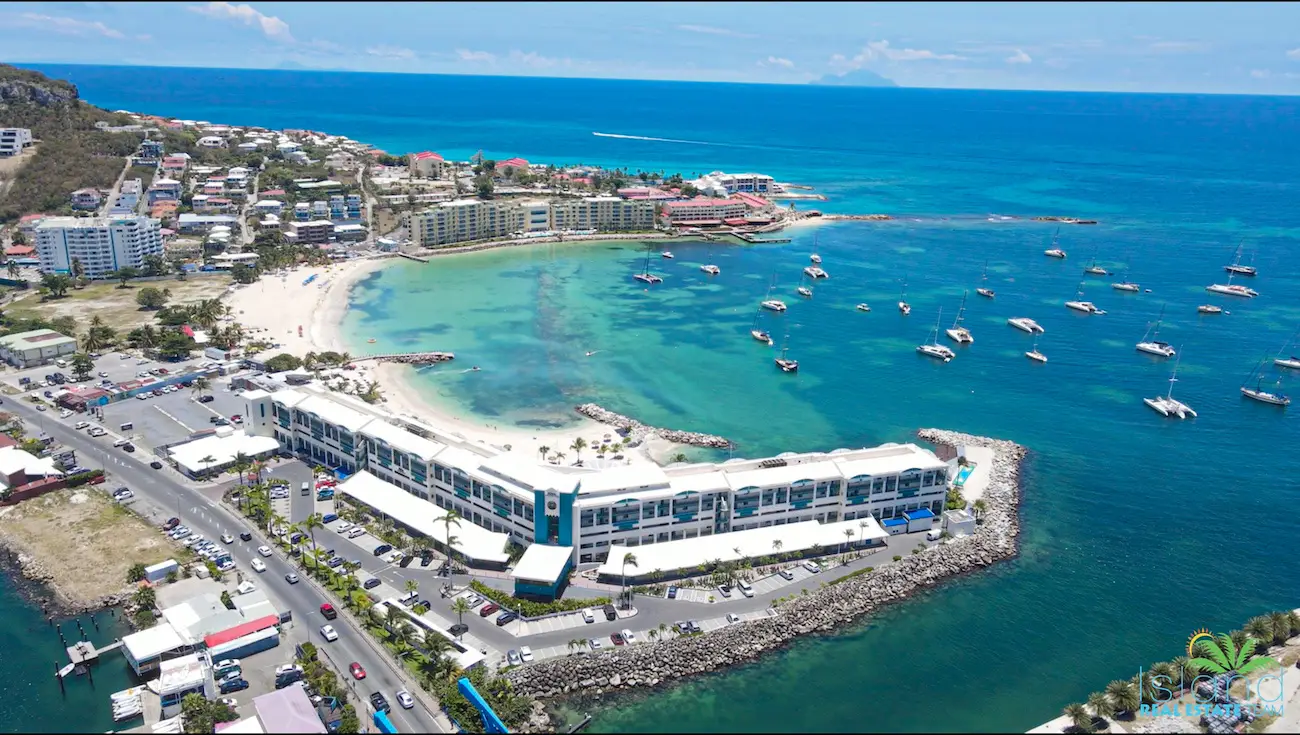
{"x":603,"y":213}
{"x":593,"y":509}
{"x":464,"y":220}
{"x":14,"y":140}
{"x":316,"y":232}
{"x":102,"y":244}
{"x":702,"y":211}
{"x":38,"y":347}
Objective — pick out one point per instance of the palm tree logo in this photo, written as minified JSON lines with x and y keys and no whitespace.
{"x":1221,"y":655}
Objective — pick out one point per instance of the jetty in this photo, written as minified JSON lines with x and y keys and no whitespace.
{"x":760,"y":240}
{"x":638,"y":431}
{"x":85,"y":652}
{"x":410,"y":358}
{"x":416,"y":258}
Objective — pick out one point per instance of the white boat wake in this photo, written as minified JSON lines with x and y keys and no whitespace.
{"x":651,"y":139}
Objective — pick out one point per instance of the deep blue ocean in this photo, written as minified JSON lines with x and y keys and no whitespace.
{"x":1137,"y":529}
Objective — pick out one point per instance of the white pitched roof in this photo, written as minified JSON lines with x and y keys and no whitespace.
{"x":821,"y":470}
{"x":630,"y":477}
{"x":542,"y":563}
{"x":13,"y":459}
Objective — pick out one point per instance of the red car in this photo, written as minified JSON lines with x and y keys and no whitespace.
{"x":357,"y":672}
{"x":617,"y":638}
{"x":327,"y":610}
{"x":488,"y":609}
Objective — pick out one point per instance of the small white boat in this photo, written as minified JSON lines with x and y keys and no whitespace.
{"x":904,"y":308}
{"x":983,"y":290}
{"x":774,"y":305}
{"x":1096,"y":270}
{"x":712,"y":270}
{"x":1126,"y":286}
{"x":761,"y":336}
{"x":933,"y":348}
{"x":815,"y":258}
{"x":666,"y":254}
{"x":1263,"y":396}
{"x":1054,"y":253}
{"x":1025,"y":324}
{"x":813,"y":271}
{"x":787,"y":366}
{"x":1292,"y":362}
{"x":805,"y":291}
{"x":1079,"y":304}
{"x":958,"y":333}
{"x":1209,"y":309}
{"x":1034,"y":354}
{"x":863,"y":307}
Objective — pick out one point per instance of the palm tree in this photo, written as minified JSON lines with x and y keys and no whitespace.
{"x":77,"y":269}
{"x":628,"y":558}
{"x":412,"y":586}
{"x":1078,"y":716}
{"x":12,"y":268}
{"x":663,"y":629}
{"x":979,"y":506}
{"x":1281,"y":627}
{"x":1224,"y":655}
{"x":574,"y":644}
{"x":207,"y":461}
{"x":559,"y":456}
{"x":240,"y":465}
{"x":652,"y":634}
{"x":276,"y":520}
{"x":577,"y":446}
{"x":313,"y":522}
{"x":777,"y":545}
{"x":1123,"y":696}
{"x":1163,"y":674}
{"x":452,"y":518}
{"x":848,"y":537}
{"x":1100,"y":705}
{"x":460,"y":607}
{"x":394,"y":619}
{"x":1260,"y":628}
{"x":200,"y":385}
{"x":544,"y":450}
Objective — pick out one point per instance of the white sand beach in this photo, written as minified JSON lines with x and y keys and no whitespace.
{"x":280,"y":307}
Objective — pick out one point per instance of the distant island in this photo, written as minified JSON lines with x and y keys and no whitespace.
{"x":855,"y":78}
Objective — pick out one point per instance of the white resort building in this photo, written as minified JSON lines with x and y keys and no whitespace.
{"x":102,"y":244}
{"x":463,"y":220}
{"x":589,"y":510}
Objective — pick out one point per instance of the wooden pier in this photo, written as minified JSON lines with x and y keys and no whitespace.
{"x":760,"y":240}
{"x":416,"y":258}
{"x":85,"y":652}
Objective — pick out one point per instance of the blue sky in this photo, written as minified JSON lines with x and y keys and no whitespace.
{"x":1251,"y":48}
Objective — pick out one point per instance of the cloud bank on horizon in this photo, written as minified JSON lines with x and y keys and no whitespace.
{"x":1225,"y":47}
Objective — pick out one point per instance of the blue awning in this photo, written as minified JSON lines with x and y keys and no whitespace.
{"x":913,"y":515}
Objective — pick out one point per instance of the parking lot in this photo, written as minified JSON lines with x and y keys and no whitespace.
{"x":172,"y":417}
{"x":770,"y":583}
{"x":118,"y":367}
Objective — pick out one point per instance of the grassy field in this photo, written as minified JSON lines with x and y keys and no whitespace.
{"x":85,"y":540}
{"x":116,"y":306}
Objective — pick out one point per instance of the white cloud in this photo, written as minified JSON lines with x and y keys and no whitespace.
{"x":271,"y":26}
{"x":712,"y":31}
{"x":1293,"y":54}
{"x":1259,"y":74}
{"x":777,"y":61}
{"x":534,"y":60}
{"x":875,"y":50}
{"x":69,"y":26}
{"x":1179,"y":47}
{"x":1019,"y":57}
{"x":467,"y":55}
{"x":391,"y":52}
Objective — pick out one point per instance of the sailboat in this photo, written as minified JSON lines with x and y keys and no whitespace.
{"x":958,"y":333}
{"x":902,"y":300}
{"x":805,"y":290}
{"x":1079,"y":304}
{"x":1237,"y":267}
{"x":1034,"y":354}
{"x":815,"y":258}
{"x":1166,"y":405}
{"x":1273,"y":397}
{"x":983,"y":290}
{"x":1232,"y":289}
{"x":1025,"y":324}
{"x":933,"y":348}
{"x":761,"y":334}
{"x":1154,"y":346}
{"x":710,"y":268}
{"x":1093,"y":269}
{"x":787,"y":365}
{"x":1291,"y":362}
{"x":1054,"y":251}
{"x":645,"y":276}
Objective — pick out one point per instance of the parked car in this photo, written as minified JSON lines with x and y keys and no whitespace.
{"x":526,"y":653}
{"x":506,"y":617}
{"x":156,"y":464}
{"x":382,"y":549}
{"x":617,"y":638}
{"x":81,"y":425}
{"x":171,"y":524}
{"x":745,"y":588}
{"x":812,"y":566}
{"x":225,"y":666}
{"x":232,"y":685}
{"x":458,"y":629}
{"x":628,"y":635}
{"x":488,"y":609}
{"x":595,"y":644}
{"x":355,"y":532}
{"x":672,"y":592}
{"x":371,"y":583}
{"x":587,"y":617}
{"x":724,"y":590}
{"x":205,"y":399}
{"x":787,"y":575}
{"x":610,"y":612}
{"x":334,"y":562}
{"x":733,"y":618}
{"x":512,"y":657}
{"x":329,"y":518}
{"x":342,"y":527}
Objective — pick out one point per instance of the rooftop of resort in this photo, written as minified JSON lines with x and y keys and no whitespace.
{"x":541,"y":563}
{"x":221,"y":448}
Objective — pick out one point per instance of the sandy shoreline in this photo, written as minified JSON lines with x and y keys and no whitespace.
{"x":277,"y":306}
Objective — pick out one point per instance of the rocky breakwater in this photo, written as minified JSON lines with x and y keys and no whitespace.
{"x":858,"y":217}
{"x":654,"y":663}
{"x":638,"y":431}
{"x":417,"y":358}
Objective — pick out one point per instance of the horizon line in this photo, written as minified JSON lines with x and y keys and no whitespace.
{"x":809,"y":83}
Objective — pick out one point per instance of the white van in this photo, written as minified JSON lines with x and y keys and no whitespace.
{"x":745,"y":588}
{"x":934,"y":534}
{"x":306,"y":488}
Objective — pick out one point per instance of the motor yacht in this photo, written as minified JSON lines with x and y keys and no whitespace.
{"x":712,"y":270}
{"x":863,"y":307}
{"x":1025,"y":324}
{"x":774,"y":305}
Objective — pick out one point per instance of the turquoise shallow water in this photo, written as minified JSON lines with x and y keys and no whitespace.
{"x":1137,"y":529}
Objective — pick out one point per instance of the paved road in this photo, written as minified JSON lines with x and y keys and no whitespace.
{"x":159,"y":494}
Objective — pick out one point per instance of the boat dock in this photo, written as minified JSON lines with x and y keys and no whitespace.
{"x":761,"y":240}
{"x":416,"y":258}
{"x":85,"y":652}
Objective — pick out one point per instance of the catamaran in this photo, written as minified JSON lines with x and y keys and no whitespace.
{"x":1034,"y":354}
{"x":1167,"y":405}
{"x":958,"y":333}
{"x":1054,"y":251}
{"x":787,"y":365}
{"x":1079,"y":304}
{"x":645,"y":276}
{"x":933,"y":348}
{"x":1154,"y":346}
{"x":1232,"y":289}
{"x":984,"y":290}
{"x":815,"y":272}
{"x":1237,"y":267}
{"x":1273,"y":397}
{"x":1025,"y":324}
{"x":709,"y":268}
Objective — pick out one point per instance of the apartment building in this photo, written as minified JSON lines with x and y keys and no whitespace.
{"x":720,"y":184}
{"x":592,"y":509}
{"x":316,"y":232}
{"x":427,"y":165}
{"x":465,"y":219}
{"x":102,"y":244}
{"x":602,"y":213}
{"x":702,"y":211}
{"x":14,"y":140}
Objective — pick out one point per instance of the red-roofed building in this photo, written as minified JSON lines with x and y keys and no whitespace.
{"x":753,"y":200}
{"x":697,"y":210}
{"x":239,"y":631}
{"x":19,"y":251}
{"x":427,"y":165}
{"x":515,"y":163}
{"x":271,"y":193}
{"x":27,"y":223}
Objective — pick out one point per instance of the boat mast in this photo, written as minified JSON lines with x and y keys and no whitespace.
{"x":960,"y":311}
{"x":785,"y":341}
{"x":1174,"y":377}
{"x":935,"y":333}
{"x":1161,"y":318}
